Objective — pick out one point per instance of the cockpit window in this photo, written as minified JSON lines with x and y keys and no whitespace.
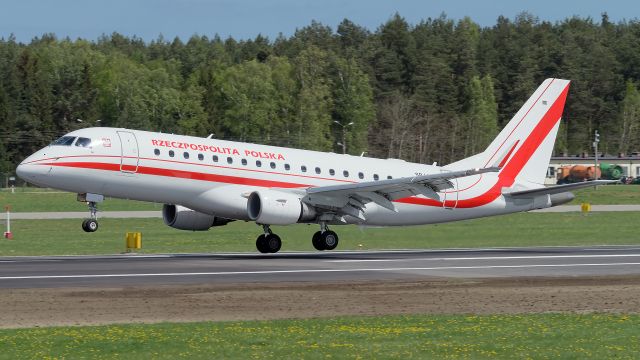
{"x":64,"y":141}
{"x":83,"y":142}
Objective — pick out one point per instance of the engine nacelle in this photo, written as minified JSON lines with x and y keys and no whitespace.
{"x":180,"y":217}
{"x":274,"y":207}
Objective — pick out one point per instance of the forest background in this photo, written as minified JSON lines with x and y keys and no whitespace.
{"x":435,"y":91}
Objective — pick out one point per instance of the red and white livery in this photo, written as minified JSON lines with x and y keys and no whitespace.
{"x":206,"y":182}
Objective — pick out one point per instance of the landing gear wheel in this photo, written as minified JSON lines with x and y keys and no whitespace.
{"x":327,"y":240}
{"x":269,"y":243}
{"x":261,"y":244}
{"x":330,"y":240}
{"x":273,"y":243}
{"x":318,"y":244}
{"x":90,"y":225}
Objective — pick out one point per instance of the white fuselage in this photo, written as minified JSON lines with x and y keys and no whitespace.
{"x":214,"y":176}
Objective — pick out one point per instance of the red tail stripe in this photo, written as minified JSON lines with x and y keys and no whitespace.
{"x":508,"y":154}
{"x":507,"y":176}
{"x":519,"y":122}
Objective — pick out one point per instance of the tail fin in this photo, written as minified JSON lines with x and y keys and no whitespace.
{"x":523,"y":148}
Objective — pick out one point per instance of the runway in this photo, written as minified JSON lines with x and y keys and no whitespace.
{"x":132,"y":270}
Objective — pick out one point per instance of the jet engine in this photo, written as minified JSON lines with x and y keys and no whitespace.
{"x":274,"y":207}
{"x":183,"y":218}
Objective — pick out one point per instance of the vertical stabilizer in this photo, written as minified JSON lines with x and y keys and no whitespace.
{"x":523,"y":148}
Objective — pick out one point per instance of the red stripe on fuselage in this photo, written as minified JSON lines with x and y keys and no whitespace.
{"x":182,"y":174}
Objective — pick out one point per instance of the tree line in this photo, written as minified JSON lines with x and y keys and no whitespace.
{"x":435,"y":91}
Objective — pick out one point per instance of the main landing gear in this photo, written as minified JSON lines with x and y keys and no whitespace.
{"x":268,"y":242}
{"x":91,"y":224}
{"x":324,"y":239}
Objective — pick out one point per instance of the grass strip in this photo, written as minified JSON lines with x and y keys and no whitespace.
{"x":539,"y":336}
{"x":65,"y":237}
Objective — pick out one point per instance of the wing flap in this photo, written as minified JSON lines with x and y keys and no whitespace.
{"x":350,"y":199}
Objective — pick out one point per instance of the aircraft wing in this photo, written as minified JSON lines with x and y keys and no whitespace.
{"x":556,"y":189}
{"x":350,"y":199}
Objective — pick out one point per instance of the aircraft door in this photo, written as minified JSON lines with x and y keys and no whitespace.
{"x":129,"y":151}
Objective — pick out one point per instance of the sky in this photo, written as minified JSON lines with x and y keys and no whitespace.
{"x":245,"y":19}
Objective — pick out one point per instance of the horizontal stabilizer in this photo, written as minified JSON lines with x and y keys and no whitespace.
{"x":557,"y":188}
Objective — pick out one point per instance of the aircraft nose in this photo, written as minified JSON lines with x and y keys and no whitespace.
{"x":30,"y":172}
{"x":25,"y":171}
{"x":20,"y":170}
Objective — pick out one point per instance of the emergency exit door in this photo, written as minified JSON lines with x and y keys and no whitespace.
{"x":129,"y":152}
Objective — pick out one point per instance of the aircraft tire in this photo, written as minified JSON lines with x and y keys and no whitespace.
{"x":261,"y":244}
{"x":273,"y":243}
{"x":329,"y":240}
{"x":318,"y":244}
{"x":92,"y":225}
{"x":89,"y":225}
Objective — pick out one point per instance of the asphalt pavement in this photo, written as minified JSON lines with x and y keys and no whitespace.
{"x":132,"y":269}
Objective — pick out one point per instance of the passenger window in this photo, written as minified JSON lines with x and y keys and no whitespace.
{"x":229,"y":160}
{"x":156,"y":151}
{"x":287,"y":167}
{"x":200,"y":157}
{"x":185,"y":155}
{"x":318,"y":171}
{"x":258,"y":163}
{"x":244,"y":161}
{"x":83,"y":142}
{"x":345,"y":173}
{"x":376,"y":177}
{"x":361,"y":175}
{"x":332,"y":172}
{"x":215,"y":158}
{"x":389,"y":177}
{"x":273,"y":165}
{"x":303,"y":168}
{"x":171,"y":153}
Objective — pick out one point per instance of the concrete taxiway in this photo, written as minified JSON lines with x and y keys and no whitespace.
{"x":127,"y":270}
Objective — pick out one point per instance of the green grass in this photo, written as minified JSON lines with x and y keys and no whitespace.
{"x":568,"y":336}
{"x":36,"y":200}
{"x":57,"y":237}
{"x":608,"y":195}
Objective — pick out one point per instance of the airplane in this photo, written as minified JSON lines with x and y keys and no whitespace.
{"x":206,"y":182}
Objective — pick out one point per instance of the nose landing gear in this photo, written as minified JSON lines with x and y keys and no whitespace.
{"x":92,"y":200}
{"x":91,"y":224}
